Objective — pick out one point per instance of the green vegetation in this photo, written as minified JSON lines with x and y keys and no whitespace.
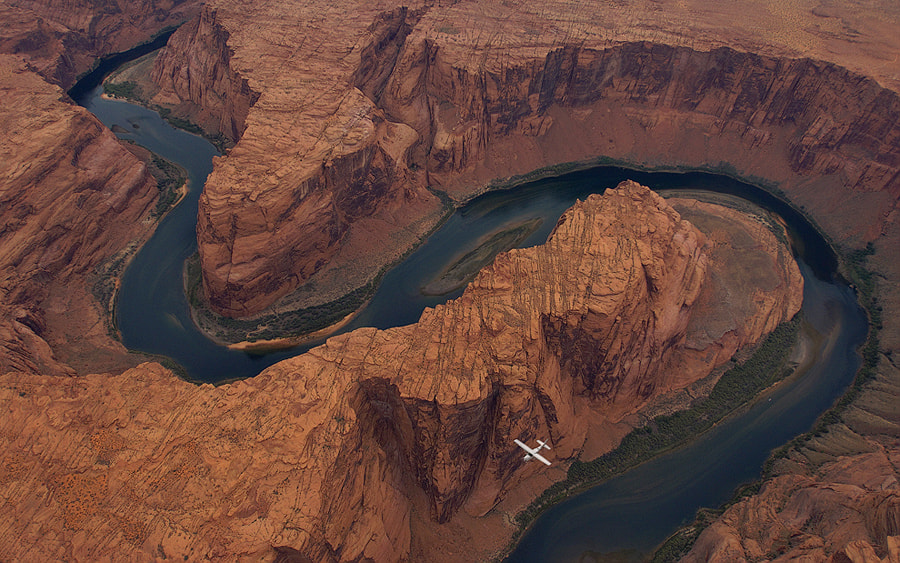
{"x":104,"y":285}
{"x":767,"y":365}
{"x":854,"y":266}
{"x":218,"y":140}
{"x":170,"y":179}
{"x":282,"y":325}
{"x":680,"y":543}
{"x":125,"y":90}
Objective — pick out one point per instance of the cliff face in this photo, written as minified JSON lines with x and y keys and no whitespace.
{"x":346,"y":165}
{"x":340,"y":453}
{"x":352,"y":124}
{"x":71,"y":197}
{"x":803,"y":103}
{"x":215,"y":96}
{"x":62,"y":39}
{"x":848,"y":510}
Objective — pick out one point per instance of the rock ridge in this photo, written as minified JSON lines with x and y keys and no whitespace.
{"x":445,"y":108}
{"x":62,"y":40}
{"x":71,"y":196}
{"x":339,"y":454}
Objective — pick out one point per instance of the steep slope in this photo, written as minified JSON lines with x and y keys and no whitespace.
{"x":847,"y":510}
{"x":71,"y":197}
{"x":352,"y":123}
{"x":336,"y":453}
{"x":63,"y":39}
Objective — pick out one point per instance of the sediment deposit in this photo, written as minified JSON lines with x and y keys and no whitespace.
{"x":333,"y":453}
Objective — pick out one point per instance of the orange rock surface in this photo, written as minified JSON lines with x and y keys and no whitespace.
{"x":355,"y":117}
{"x":61,"y":39}
{"x":326,"y":454}
{"x":845,"y":511}
{"x":71,"y":197}
{"x":345,"y":114}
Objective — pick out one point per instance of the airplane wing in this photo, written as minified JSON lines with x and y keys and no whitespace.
{"x":525,"y":447}
{"x":532,"y":454}
{"x":541,"y":458}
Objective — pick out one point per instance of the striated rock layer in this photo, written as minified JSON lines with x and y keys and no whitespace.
{"x":340,"y":453}
{"x":846,"y":511}
{"x":71,"y":196}
{"x":62,"y":39}
{"x":72,"y":199}
{"x":355,"y":117}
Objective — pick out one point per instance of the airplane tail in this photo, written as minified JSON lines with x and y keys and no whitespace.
{"x":542,"y":444}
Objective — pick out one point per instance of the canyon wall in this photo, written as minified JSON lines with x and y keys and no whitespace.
{"x":206,"y":90}
{"x":340,"y":453}
{"x":111,"y":464}
{"x":800,"y":95}
{"x":63,"y":39}
{"x":71,"y":197}
{"x":846,"y":511}
{"x":416,"y":101}
{"x":346,"y":163}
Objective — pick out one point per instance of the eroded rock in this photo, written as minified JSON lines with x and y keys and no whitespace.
{"x":334,"y":454}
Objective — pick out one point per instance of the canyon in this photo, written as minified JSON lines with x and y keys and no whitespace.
{"x":342,"y":147}
{"x":341,"y":452}
{"x":352,"y":126}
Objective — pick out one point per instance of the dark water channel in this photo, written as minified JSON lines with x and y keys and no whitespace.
{"x":625,"y":518}
{"x":628,"y":515}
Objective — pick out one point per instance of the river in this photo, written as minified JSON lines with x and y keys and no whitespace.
{"x":628,"y":515}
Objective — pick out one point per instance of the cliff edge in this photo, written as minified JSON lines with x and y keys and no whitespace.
{"x":345,"y":128}
{"x":339,"y":454}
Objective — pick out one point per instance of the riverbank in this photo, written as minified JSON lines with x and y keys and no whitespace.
{"x":173,"y":185}
{"x":766,"y":366}
{"x":274,"y":344}
{"x":131,"y":82}
{"x":829,"y":435}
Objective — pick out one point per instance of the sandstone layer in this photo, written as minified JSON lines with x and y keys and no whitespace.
{"x":354,"y":119}
{"x":63,"y":39}
{"x":340,"y":453}
{"x":846,"y":510}
{"x":834,"y":169}
{"x":802,"y":95}
{"x":71,"y":197}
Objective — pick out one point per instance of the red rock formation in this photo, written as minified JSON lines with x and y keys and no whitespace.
{"x":216,"y":96}
{"x":95,"y":464}
{"x":848,"y":510}
{"x":512,"y":90}
{"x":62,"y":39}
{"x":70,"y":197}
{"x":333,"y":454}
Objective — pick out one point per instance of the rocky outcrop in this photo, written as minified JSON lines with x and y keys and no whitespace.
{"x":206,"y":89}
{"x":394,"y":100}
{"x":848,"y":510}
{"x":71,"y":196}
{"x":759,"y":99}
{"x":340,"y":453}
{"x":61,"y":40}
{"x":348,"y":164}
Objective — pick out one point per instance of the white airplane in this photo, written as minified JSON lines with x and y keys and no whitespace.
{"x":533,"y":453}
